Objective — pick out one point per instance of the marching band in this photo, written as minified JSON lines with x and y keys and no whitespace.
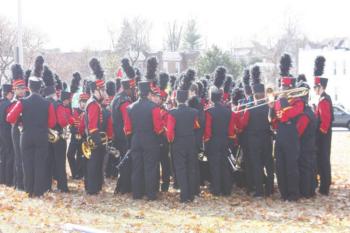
{"x":148,"y":130}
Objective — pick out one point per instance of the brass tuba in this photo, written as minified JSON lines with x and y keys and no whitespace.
{"x":89,"y":145}
{"x":53,"y":136}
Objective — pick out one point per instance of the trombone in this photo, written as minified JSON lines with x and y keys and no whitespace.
{"x":272,"y":97}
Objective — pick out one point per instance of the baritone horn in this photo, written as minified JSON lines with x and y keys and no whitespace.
{"x":54,"y":136}
{"x":89,"y":145}
{"x":272,"y":96}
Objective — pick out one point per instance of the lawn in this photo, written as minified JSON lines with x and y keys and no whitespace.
{"x":120,"y":213}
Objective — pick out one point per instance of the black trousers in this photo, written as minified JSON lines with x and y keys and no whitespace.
{"x":57,"y":164}
{"x":124,"y":179}
{"x":221,"y":176}
{"x":75,"y":158}
{"x":34,"y":148}
{"x":6,"y":157}
{"x":184,"y":151}
{"x":287,"y":155}
{"x":165,"y":163}
{"x":94,"y":171}
{"x":246,"y":163}
{"x":307,"y":171}
{"x":145,"y":154}
{"x":259,"y":152}
{"x":18,"y":169}
{"x":323,"y":144}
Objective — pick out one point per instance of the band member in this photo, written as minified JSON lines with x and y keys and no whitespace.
{"x":325,"y":117}
{"x":74,"y":153}
{"x":243,"y":138}
{"x":57,"y":149}
{"x":110,"y":160}
{"x":306,"y":126}
{"x":120,"y":105}
{"x":217,"y":133}
{"x":202,"y":168}
{"x":284,"y":113}
{"x":38,"y":114}
{"x":93,"y":128}
{"x":145,"y":124}
{"x":181,"y":125}
{"x":259,"y":138}
{"x":76,"y":90}
{"x":19,"y":87}
{"x":6,"y":154}
{"x":159,"y":97}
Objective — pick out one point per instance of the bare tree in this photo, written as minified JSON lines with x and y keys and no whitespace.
{"x":133,"y":39}
{"x":174,"y":36}
{"x":7,"y":45}
{"x":32,"y":44}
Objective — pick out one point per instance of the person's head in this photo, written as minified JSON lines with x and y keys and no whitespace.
{"x":127,"y":85}
{"x":320,"y":83}
{"x":65,"y":98}
{"x":182,"y":96}
{"x":34,"y":84}
{"x":215,"y":94}
{"x":145,"y":90}
{"x":98,"y":89}
{"x":83,"y":98}
{"x":7,"y":91}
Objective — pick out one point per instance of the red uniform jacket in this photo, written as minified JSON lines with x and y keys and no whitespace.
{"x":16,"y":111}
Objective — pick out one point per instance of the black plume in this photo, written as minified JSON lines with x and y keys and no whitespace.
{"x":228,"y":83}
{"x":319,"y":66}
{"x":75,"y":83}
{"x":59,"y":84}
{"x":205,"y":83}
{"x":152,"y":65}
{"x":110,"y":88}
{"x":27,"y":76}
{"x":246,"y":78}
{"x":191,"y":74}
{"x":285,"y":65}
{"x":185,"y":83}
{"x":48,"y":77}
{"x":172,"y":81}
{"x":163,"y":81}
{"x":256,"y":75}
{"x":86,"y":86}
{"x":38,"y":66}
{"x":128,"y":69}
{"x":138,"y":75}
{"x":65,"y":86}
{"x":96,"y":68}
{"x":17,"y":72}
{"x":200,"y":88}
{"x":301,"y":78}
{"x":207,"y":77}
{"x":220,"y":75}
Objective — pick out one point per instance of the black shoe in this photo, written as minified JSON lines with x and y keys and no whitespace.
{"x":165,"y":187}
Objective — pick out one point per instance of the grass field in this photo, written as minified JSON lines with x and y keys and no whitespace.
{"x":18,"y":213}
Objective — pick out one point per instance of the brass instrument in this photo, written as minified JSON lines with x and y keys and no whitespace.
{"x":90,"y":145}
{"x":54,"y":136}
{"x":65,"y":133}
{"x":272,"y":97}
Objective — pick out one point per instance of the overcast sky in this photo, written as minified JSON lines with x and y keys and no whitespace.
{"x":78,"y":24}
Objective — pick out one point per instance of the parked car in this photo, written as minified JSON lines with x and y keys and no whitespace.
{"x":341,"y":117}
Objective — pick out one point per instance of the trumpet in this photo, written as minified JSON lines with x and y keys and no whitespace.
{"x":54,"y":136}
{"x":272,"y":97}
{"x":89,"y":145}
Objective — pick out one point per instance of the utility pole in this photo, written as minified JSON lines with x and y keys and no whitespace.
{"x":19,"y":48}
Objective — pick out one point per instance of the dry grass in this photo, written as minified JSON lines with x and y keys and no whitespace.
{"x":19,"y":213}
